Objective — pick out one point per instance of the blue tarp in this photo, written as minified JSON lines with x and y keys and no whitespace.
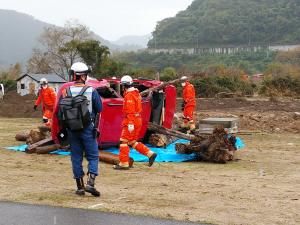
{"x":163,"y":154}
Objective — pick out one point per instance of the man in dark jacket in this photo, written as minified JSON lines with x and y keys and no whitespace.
{"x":85,"y":140}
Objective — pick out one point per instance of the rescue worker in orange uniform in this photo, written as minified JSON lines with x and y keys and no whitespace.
{"x":131,"y":126}
{"x":189,"y":104}
{"x":47,"y":97}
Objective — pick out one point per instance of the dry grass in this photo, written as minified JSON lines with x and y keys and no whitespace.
{"x":262,"y":188}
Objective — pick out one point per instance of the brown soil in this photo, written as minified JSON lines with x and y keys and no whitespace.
{"x":16,"y":106}
{"x":254,"y":114}
{"x":261,"y":188}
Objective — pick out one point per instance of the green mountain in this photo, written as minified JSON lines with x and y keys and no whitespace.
{"x":230,"y":22}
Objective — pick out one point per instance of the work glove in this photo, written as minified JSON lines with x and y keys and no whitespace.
{"x":130,"y":127}
{"x":96,"y":133}
{"x":34,"y":107}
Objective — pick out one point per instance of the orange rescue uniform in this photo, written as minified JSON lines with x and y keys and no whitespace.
{"x":132,"y":110}
{"x":47,"y":97}
{"x":189,"y":102}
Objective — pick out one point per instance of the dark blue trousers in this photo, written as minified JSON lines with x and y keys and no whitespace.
{"x":80,"y":142}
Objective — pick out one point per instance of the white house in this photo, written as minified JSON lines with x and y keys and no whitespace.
{"x":30,"y":83}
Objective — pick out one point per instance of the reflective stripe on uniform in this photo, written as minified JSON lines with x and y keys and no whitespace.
{"x":88,"y":93}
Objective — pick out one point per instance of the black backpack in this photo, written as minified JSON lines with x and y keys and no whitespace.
{"x":73,"y":112}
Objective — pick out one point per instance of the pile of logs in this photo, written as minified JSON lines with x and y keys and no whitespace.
{"x":217,"y":147}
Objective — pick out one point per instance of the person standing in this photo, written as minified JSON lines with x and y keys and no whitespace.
{"x":131,"y":126}
{"x":84,"y":140}
{"x":47,"y":97}
{"x":188,"y":104}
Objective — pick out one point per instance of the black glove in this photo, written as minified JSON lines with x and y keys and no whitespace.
{"x":96,"y":133}
{"x":34,"y":107}
{"x":182,"y":106}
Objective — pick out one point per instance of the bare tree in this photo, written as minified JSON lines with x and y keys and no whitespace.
{"x":58,"y":48}
{"x":38,"y":63}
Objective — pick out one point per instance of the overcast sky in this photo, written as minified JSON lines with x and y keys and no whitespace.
{"x":110,"y":19}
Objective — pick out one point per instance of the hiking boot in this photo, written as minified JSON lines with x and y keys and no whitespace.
{"x":90,"y":186}
{"x":80,"y":187}
{"x":152,"y":159}
{"x":118,"y":167}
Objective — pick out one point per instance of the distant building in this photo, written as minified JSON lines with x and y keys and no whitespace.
{"x":30,"y":83}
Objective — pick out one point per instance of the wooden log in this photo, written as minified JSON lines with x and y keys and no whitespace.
{"x":35,"y":136}
{"x":32,"y":148}
{"x":22,"y":137}
{"x":111,"y":158}
{"x":162,"y":130}
{"x":164,"y":84}
{"x":161,"y":140}
{"x":47,"y":149}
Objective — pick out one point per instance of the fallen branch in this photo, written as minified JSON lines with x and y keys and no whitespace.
{"x":164,"y":84}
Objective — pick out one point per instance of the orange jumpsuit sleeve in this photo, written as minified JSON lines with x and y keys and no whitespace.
{"x":129,"y":108}
{"x":39,"y":99}
{"x":189,"y":93}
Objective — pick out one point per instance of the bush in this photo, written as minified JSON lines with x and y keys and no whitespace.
{"x":9,"y":85}
{"x":281,"y":86}
{"x":169,"y":73}
{"x":208,"y":87}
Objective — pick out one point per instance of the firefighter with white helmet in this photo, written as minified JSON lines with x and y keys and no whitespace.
{"x":46,"y":97}
{"x":131,"y":125}
{"x":84,"y":141}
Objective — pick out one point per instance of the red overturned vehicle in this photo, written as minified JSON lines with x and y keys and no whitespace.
{"x":158,"y":107}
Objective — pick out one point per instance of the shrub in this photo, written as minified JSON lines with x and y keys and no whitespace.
{"x":212,"y":85}
{"x":281,"y":86}
{"x":9,"y":85}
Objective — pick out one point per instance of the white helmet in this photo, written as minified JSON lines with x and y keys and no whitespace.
{"x":43,"y":81}
{"x":184,"y":78}
{"x":80,"y":68}
{"x":126,"y":80}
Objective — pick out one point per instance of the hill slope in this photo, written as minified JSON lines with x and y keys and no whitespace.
{"x":226,"y":22}
{"x":19,"y":35}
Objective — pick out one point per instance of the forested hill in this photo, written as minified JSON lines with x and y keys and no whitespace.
{"x":230,"y":22}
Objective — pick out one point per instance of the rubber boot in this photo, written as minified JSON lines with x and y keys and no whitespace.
{"x":80,"y":186}
{"x":152,"y":159}
{"x":90,"y":185}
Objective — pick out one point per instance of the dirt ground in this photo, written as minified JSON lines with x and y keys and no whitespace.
{"x":261,"y":188}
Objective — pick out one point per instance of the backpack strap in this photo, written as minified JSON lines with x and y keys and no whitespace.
{"x":69,"y":93}
{"x":83,"y":90}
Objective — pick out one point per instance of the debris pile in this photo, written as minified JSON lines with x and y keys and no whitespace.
{"x":217,"y":148}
